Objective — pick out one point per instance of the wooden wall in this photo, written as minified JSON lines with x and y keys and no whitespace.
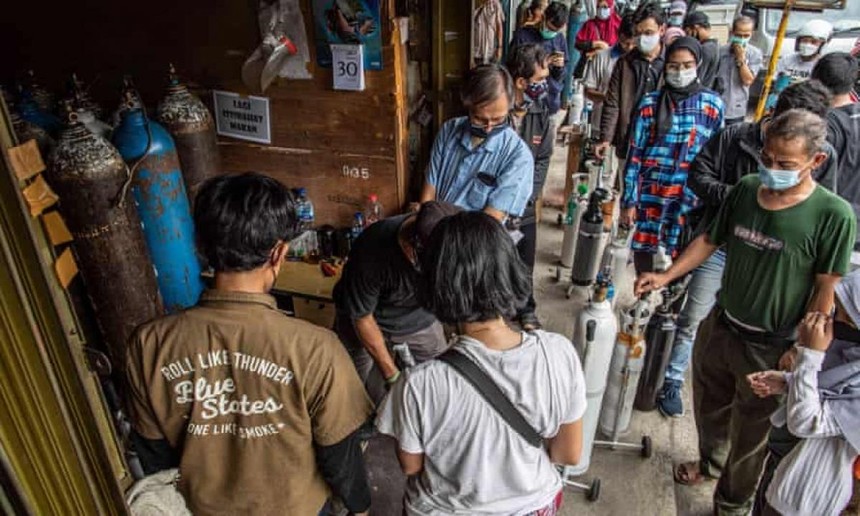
{"x":316,"y":131}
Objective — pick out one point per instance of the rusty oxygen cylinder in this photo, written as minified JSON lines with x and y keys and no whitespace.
{"x":88,"y":174}
{"x":80,"y":93}
{"x":25,"y":130}
{"x":191,"y":125}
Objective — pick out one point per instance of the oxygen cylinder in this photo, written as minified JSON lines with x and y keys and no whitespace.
{"x":31,"y":111}
{"x":189,"y":122}
{"x":577,"y":103}
{"x":627,"y":360}
{"x":162,"y":204}
{"x":88,"y":173}
{"x":617,"y":258}
{"x":78,"y":92}
{"x":128,"y":99}
{"x":26,"y":131}
{"x":659,"y":338}
{"x":41,"y":97}
{"x":576,"y":205}
{"x":594,"y":336}
{"x":589,"y":240}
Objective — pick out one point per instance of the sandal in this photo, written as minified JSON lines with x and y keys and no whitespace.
{"x":689,"y":474}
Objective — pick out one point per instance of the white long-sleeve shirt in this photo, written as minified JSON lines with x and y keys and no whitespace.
{"x":815,"y":478}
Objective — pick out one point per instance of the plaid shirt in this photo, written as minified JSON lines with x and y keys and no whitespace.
{"x":655,"y":180}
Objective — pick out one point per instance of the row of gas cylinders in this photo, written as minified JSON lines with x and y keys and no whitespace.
{"x":125,"y":193}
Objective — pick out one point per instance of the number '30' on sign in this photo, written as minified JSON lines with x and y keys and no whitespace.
{"x":348,"y":67}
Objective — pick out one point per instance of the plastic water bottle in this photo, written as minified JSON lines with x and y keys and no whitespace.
{"x":374,"y":211}
{"x":357,"y":226}
{"x":305,"y":210}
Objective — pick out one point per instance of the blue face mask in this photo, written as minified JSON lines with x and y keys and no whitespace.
{"x":778,"y":180}
{"x":676,"y":21}
{"x":537,"y":90}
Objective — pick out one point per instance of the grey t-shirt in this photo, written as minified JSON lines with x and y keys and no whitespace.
{"x":735,"y":95}
{"x":598,"y":71}
{"x":475,"y":462}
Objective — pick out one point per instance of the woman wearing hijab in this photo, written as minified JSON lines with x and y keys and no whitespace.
{"x":670,"y":128}
{"x":822,"y":410}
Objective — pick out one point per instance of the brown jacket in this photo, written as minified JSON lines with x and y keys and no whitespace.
{"x":622,"y":100}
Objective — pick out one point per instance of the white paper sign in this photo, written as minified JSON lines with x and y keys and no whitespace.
{"x":348,"y":67}
{"x":245,"y":118}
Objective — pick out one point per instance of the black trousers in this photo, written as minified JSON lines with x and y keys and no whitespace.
{"x":527,"y":248}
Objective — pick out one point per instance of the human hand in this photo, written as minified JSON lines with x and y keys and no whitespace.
{"x":816,"y":331}
{"x":599,"y":45}
{"x":649,"y":281}
{"x":600,"y":150}
{"x":787,"y":360}
{"x":557,"y":60}
{"x":739,"y":52}
{"x":628,"y":216}
{"x":767,"y":383}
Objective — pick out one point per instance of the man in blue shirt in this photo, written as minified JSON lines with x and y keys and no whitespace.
{"x":550,"y":34}
{"x":479,"y":162}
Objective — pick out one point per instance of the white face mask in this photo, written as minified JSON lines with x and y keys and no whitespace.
{"x":681,"y":78}
{"x":648,"y":43}
{"x":603,"y":13}
{"x":808,"y":49}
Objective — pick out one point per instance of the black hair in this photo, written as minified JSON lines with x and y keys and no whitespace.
{"x":556,"y":13}
{"x":472,"y":271}
{"x":240,"y":217}
{"x":649,"y":10}
{"x":810,"y":95}
{"x":628,"y":26}
{"x":837,"y":71}
{"x":524,"y":60}
{"x":486,"y":83}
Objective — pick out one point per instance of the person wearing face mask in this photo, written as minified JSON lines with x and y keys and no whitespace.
{"x":677,"y":13}
{"x":478,"y":162}
{"x":636,"y":74}
{"x":808,"y":43}
{"x":730,"y":155}
{"x":698,"y":25}
{"x":788,"y":242}
{"x":739,"y":63}
{"x":599,"y":69}
{"x":670,"y":128}
{"x":234,"y":392}
{"x":376,"y":299}
{"x":531,"y":119}
{"x":600,"y":32}
{"x":552,"y":35}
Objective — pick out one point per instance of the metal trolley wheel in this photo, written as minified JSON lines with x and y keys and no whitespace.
{"x":647,"y":447}
{"x":594,"y":491}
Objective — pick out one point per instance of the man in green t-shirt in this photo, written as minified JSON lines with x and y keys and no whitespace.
{"x":788,"y":241}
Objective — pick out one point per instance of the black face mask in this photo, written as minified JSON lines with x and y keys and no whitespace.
{"x":844,"y":331}
{"x":481,"y":132}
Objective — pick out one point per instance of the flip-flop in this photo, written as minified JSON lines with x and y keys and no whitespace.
{"x":689,"y":474}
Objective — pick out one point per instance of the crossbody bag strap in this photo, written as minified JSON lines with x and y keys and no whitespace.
{"x":494,"y":396}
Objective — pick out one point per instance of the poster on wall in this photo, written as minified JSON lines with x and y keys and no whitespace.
{"x":348,"y":22}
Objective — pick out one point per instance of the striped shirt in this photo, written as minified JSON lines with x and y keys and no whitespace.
{"x":815,"y":478}
{"x":655,"y":180}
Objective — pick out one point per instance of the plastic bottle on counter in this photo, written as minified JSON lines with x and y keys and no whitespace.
{"x":357,"y":225}
{"x":374,"y":212}
{"x":304,"y":210}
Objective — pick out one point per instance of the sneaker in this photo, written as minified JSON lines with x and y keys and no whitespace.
{"x":669,"y":401}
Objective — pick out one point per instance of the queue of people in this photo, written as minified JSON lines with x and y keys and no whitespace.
{"x":761,"y":215}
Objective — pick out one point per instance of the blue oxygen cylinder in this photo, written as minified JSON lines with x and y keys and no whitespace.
{"x":159,"y":193}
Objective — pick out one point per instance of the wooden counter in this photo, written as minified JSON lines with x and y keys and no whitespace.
{"x":310,"y":290}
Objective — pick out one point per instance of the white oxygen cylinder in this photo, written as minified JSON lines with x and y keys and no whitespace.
{"x":577,"y":103}
{"x":576,"y":205}
{"x":628,"y":358}
{"x":619,"y":259}
{"x":594,"y":336}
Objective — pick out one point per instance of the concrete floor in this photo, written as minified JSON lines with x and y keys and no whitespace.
{"x":630,"y":485}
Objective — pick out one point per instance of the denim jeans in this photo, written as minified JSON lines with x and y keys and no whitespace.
{"x":701,"y":298}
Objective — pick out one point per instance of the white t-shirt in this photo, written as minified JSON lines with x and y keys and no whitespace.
{"x":795,"y":67}
{"x":474,"y":462}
